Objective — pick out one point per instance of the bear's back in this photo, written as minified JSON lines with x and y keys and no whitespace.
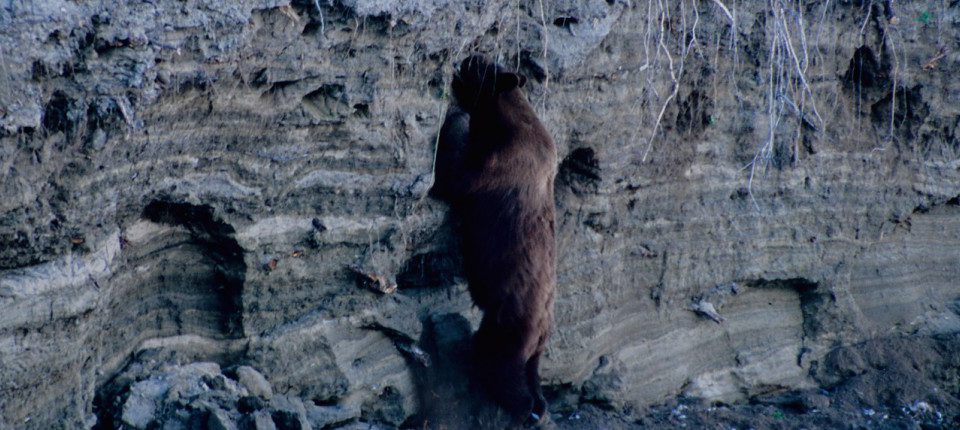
{"x":508,"y":212}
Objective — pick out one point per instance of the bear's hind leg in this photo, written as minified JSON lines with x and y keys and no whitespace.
{"x":500,"y":368}
{"x":511,"y":390}
{"x":533,"y":383}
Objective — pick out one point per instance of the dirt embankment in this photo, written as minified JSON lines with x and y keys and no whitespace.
{"x":239,"y":184}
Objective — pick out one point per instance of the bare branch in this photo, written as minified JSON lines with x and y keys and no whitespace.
{"x":546,"y":63}
{"x":867,"y":19}
{"x":725,"y":10}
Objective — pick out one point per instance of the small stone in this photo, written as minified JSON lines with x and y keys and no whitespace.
{"x":376,"y":282}
{"x":90,"y":421}
{"x":215,"y":382}
{"x":179,"y":420}
{"x":815,"y":401}
{"x":263,"y":421}
{"x":270,"y":265}
{"x":98,"y":140}
{"x":254,"y":382}
{"x":163,"y":77}
{"x":706,"y":309}
{"x":141,"y":407}
{"x":289,"y":413}
{"x":220,"y":420}
{"x":921,"y":407}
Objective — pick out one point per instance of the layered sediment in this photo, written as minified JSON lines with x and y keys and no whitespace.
{"x":221,"y":183}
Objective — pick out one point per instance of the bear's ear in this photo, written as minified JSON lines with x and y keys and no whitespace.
{"x":509,"y":81}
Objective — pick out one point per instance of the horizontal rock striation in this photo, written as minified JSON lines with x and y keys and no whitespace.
{"x":235,"y":183}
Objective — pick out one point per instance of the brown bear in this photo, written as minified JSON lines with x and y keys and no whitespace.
{"x":496,"y":165}
{"x":447,"y":177}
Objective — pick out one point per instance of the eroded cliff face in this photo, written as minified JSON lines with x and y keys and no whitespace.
{"x":233,"y":183}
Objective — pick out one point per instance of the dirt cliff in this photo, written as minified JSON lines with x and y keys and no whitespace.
{"x":751,"y":195}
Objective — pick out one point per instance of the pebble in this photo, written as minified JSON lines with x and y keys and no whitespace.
{"x":255,"y":383}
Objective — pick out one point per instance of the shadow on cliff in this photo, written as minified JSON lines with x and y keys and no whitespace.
{"x":182,"y":275}
{"x":448,"y":396}
{"x":219,"y":251}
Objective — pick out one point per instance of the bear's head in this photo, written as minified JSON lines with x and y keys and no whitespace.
{"x":479,"y":81}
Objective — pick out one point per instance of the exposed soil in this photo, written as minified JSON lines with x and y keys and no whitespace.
{"x":756,"y":201}
{"x":905,"y":383}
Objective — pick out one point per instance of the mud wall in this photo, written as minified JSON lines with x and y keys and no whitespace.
{"x":234,"y":183}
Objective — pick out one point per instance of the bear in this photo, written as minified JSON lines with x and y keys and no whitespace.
{"x":448,"y":162}
{"x":495,"y":166}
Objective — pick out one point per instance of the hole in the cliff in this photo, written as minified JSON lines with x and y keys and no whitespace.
{"x":40,"y":70}
{"x":814,"y":302}
{"x":312,"y":27}
{"x":436,"y":81}
{"x":566,"y":21}
{"x":103,"y":113}
{"x":694,"y":114}
{"x":278,"y":87}
{"x":200,"y":272}
{"x":866,"y":70}
{"x":85,"y":39}
{"x":55,"y":36}
{"x":327,"y":103}
{"x":531,"y":66}
{"x":185,"y":275}
{"x":104,"y":47}
{"x":783,"y":154}
{"x":314,"y":11}
{"x":783,"y":399}
{"x":108,"y":403}
{"x":361,"y":110}
{"x":261,"y":77}
{"x":56,"y":114}
{"x":580,"y":170}
{"x":601,"y":222}
{"x":807,"y":137}
{"x":98,"y":20}
{"x":906,"y":109}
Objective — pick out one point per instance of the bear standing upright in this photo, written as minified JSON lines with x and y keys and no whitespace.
{"x":497,"y":172}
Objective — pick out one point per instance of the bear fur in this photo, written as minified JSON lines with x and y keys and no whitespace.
{"x":496,"y":165}
{"x":448,"y":164}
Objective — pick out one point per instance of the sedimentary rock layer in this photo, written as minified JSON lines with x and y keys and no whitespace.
{"x":219,"y":182}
